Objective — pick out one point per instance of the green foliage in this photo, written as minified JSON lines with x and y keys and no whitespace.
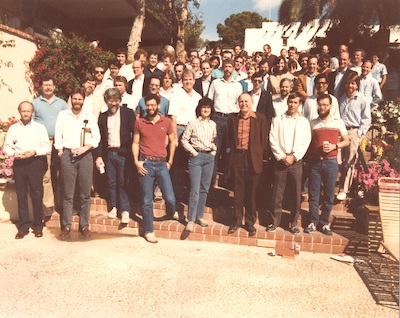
{"x":194,"y":29}
{"x":233,"y":32}
{"x":68,"y":60}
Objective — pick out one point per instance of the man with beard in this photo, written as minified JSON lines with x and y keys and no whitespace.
{"x":27,"y":141}
{"x":154,"y":88}
{"x":150,"y":159}
{"x":76,"y":134}
{"x":323,"y":164}
{"x":116,"y":128}
{"x":279,"y":104}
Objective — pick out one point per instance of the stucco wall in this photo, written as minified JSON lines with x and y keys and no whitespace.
{"x":15,"y":85}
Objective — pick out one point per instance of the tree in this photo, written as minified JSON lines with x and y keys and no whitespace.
{"x":68,"y":60}
{"x":136,"y":32}
{"x":174,"y":15}
{"x":348,"y":18}
{"x":233,"y":32}
{"x":193,"y":32}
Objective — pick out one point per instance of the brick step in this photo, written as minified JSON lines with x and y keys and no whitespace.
{"x":217,"y":231}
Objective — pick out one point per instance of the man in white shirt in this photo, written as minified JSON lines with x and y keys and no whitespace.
{"x":112,"y":72}
{"x":310,"y":107}
{"x":225,"y":93}
{"x":379,"y":71}
{"x":239,"y":62}
{"x":358,"y":58}
{"x":202,"y":85}
{"x":280,"y":104}
{"x":289,"y":139}
{"x":369,"y":86}
{"x":182,"y":109}
{"x":76,"y":134}
{"x":138,"y":86}
{"x":124,"y":69}
{"x":127,"y":100}
{"x":195,"y":63}
{"x":27,"y":141}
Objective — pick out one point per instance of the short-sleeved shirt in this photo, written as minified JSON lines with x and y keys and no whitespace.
{"x":183,"y":106}
{"x":329,"y":131}
{"x":153,"y":136}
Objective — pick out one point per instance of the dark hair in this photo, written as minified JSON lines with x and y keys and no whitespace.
{"x":294,"y":95}
{"x":46,"y":77}
{"x":257,"y":74}
{"x":324,"y":56}
{"x":121,"y":78}
{"x":155,"y":77}
{"x":78,"y":90}
{"x":121,"y":50}
{"x":319,"y":76}
{"x":169,"y":73}
{"x":152,"y":96}
{"x":113,"y":62}
{"x":180,"y":64}
{"x":88,"y":77}
{"x":139,"y":52}
{"x":205,"y":101}
{"x":277,"y":61}
{"x":323,"y":96}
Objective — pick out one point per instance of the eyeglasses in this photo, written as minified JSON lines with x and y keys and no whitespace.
{"x":257,"y":81}
{"x":322,"y":83}
{"x":99,"y":72}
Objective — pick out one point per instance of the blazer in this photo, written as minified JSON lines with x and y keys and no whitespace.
{"x":126,"y":133}
{"x":301,"y":86}
{"x":145,"y":89}
{"x":342,"y":84}
{"x":198,"y":85}
{"x":258,"y":139}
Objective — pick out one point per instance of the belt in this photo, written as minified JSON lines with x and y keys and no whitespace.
{"x":179,"y":125}
{"x":222,"y":114}
{"x":242,"y":150}
{"x":151,"y":158}
{"x":203,"y":151}
{"x":324,"y":158}
{"x":352,"y":127}
{"x":51,"y":138}
{"x":113,"y":149}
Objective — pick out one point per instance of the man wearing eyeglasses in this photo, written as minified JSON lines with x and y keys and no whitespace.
{"x":99,"y":76}
{"x":310,"y":107}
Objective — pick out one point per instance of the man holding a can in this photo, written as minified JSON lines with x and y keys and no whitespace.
{"x":326,"y":130}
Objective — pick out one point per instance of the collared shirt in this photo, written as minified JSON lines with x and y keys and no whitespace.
{"x":137,"y":89}
{"x":256,"y":99}
{"x":126,"y":70}
{"x":162,"y":110}
{"x":152,"y":136}
{"x":183,"y":106}
{"x":369,"y":87}
{"x":356,"y":69}
{"x":205,"y":83}
{"x":200,"y":135}
{"x":244,"y":131}
{"x":322,"y":131}
{"x":166,"y":94}
{"x":310,"y":84}
{"x":46,"y":112}
{"x":108,"y":82}
{"x":378,"y":71}
{"x":310,"y":108}
{"x":225,"y":95}
{"x":32,"y":136}
{"x":290,"y":135}
{"x":149,"y":73}
{"x":69,"y":129}
{"x":356,"y":112}
{"x":114,"y":129}
{"x":280,"y":106}
{"x":338,"y":79}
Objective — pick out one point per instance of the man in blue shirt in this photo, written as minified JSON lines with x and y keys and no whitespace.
{"x":47,"y":106}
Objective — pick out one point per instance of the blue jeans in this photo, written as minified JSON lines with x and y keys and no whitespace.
{"x":200,"y":172}
{"x":116,"y":171}
{"x":158,"y":171}
{"x":322,"y":172}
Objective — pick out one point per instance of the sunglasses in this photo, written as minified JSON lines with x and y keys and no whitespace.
{"x":257,"y":81}
{"x":99,"y":72}
{"x":322,"y":83}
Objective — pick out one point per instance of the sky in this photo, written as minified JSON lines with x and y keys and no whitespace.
{"x":213,"y":12}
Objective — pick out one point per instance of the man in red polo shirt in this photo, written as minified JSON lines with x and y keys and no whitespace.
{"x":150,"y":158}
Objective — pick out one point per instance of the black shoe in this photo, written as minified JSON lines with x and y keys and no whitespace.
{"x":271,"y":228}
{"x":326,"y":230}
{"x":65,"y":232}
{"x":232,"y":229}
{"x":294,"y":230}
{"x":251,"y":229}
{"x":38,"y":233}
{"x":21,"y":235}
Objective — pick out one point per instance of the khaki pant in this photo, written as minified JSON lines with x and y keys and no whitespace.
{"x":349,"y":159}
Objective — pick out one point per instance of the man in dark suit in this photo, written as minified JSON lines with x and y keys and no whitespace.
{"x":202,"y":84}
{"x":114,"y":151}
{"x":139,"y":85}
{"x":337,"y":80}
{"x":248,"y":135}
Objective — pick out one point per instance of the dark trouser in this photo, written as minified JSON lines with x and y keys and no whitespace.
{"x":246,"y":182}
{"x":284,"y":175}
{"x":28,"y":176}
{"x":82,"y":171}
{"x":178,"y":169}
{"x":221,"y":157}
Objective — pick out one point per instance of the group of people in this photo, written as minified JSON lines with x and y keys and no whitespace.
{"x":147,"y":122}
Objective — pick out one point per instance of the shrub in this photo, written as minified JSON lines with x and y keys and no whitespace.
{"x":68,"y":60}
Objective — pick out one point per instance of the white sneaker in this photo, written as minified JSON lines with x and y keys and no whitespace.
{"x":113,"y":213}
{"x":176,"y":216}
{"x":190,"y":226}
{"x":125,"y":217}
{"x":341,"y":196}
{"x":150,"y":237}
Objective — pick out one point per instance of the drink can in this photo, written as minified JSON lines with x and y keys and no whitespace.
{"x":297,"y":248}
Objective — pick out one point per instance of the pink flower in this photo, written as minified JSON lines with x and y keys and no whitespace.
{"x":8,"y":172}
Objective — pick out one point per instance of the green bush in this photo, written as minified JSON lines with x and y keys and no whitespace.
{"x":68,"y":60}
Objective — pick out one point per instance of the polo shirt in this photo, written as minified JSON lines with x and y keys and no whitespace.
{"x":163,"y":110}
{"x":152,"y":136}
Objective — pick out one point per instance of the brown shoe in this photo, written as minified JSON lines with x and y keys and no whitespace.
{"x":21,"y":235}
{"x":38,"y":233}
{"x":65,"y":232}
{"x":86,"y":232}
